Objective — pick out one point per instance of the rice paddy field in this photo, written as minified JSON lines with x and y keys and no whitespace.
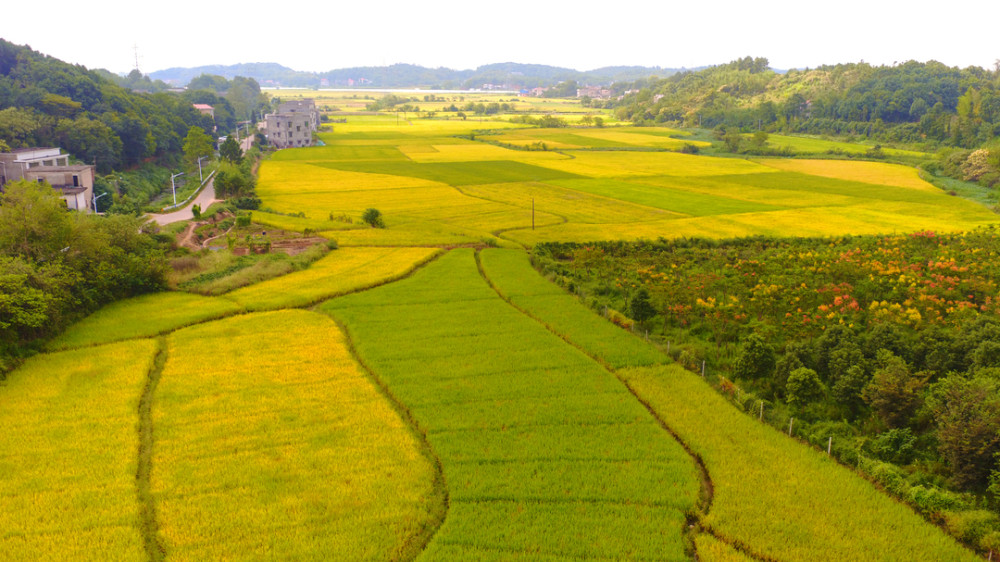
{"x":546,"y":453}
{"x":448,"y":181}
{"x":68,"y":445}
{"x":283,"y":449}
{"x":423,"y":393}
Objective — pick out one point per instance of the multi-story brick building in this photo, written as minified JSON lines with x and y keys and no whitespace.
{"x":292,"y":124}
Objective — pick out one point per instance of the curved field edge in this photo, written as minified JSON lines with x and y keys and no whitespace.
{"x":340,"y":272}
{"x":738,"y":453}
{"x":546,"y":455}
{"x":778,"y":498}
{"x":143,"y":317}
{"x":68,"y":445}
{"x":284,"y":447}
{"x":510,"y":273}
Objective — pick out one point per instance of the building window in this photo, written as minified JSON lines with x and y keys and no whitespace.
{"x":76,"y":181}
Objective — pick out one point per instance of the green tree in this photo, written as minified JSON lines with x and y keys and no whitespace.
{"x":894,"y":392}
{"x":18,"y":126}
{"x":803,"y":387}
{"x":230,"y":150}
{"x":641,"y":309}
{"x":373,"y":218}
{"x":196,"y":145}
{"x":755,"y":359}
{"x":759,"y":140}
{"x":967,"y":414}
{"x":733,"y":140}
{"x":34,"y":223}
{"x":91,"y":141}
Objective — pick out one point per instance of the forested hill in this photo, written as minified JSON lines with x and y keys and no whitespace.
{"x":911,"y":102}
{"x":47,"y":102}
{"x":409,"y":76}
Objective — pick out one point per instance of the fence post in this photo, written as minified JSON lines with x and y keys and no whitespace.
{"x":829,"y":445}
{"x":761,"y":416}
{"x":790,"y":420}
{"x":703,"y":368}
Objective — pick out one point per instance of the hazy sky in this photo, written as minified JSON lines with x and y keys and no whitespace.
{"x":466,"y":34}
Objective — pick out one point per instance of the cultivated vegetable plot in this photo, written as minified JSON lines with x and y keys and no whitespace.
{"x":68,"y":446}
{"x":545,"y":453}
{"x":283,"y":448}
{"x":780,"y":498}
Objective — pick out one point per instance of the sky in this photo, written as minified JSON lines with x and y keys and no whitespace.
{"x":326,"y":35}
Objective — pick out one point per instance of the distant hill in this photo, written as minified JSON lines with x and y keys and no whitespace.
{"x":509,"y":75}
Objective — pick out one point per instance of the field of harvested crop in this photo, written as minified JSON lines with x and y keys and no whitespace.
{"x":422,"y":392}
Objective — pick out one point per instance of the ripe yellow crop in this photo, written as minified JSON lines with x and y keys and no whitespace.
{"x":339,"y":272}
{"x":282,"y":448}
{"x":68,"y":445}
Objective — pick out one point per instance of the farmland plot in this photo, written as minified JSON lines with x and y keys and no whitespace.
{"x":545,"y":453}
{"x":283,"y":449}
{"x":782,"y":499}
{"x":337,"y":273}
{"x":68,"y":450}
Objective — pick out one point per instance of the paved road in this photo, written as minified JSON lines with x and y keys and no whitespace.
{"x":205,"y":198}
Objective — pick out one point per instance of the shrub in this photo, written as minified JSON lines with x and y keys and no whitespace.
{"x":373,"y":218}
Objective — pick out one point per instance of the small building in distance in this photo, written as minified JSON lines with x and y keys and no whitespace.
{"x":75,"y":183}
{"x":293,"y":124}
{"x":205,"y":109}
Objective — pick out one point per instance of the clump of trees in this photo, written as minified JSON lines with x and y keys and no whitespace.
{"x":57,"y":266}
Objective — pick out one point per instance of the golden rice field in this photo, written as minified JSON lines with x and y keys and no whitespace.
{"x":283,"y":449}
{"x":779,"y":498}
{"x":143,"y":317}
{"x":495,"y":417}
{"x":68,"y":446}
{"x":436,"y":186}
{"x":339,"y":272}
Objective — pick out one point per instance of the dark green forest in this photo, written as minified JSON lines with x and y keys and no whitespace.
{"x":913,"y":102}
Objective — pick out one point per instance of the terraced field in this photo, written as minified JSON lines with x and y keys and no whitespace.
{"x":406,"y":397}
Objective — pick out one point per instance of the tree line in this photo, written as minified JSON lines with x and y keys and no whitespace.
{"x":910,"y":102}
{"x":46,"y":102}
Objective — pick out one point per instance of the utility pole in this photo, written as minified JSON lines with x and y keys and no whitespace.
{"x":200,"y":177}
{"x":173,"y":188}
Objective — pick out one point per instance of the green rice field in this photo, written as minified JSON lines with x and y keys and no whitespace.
{"x":423,"y":393}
